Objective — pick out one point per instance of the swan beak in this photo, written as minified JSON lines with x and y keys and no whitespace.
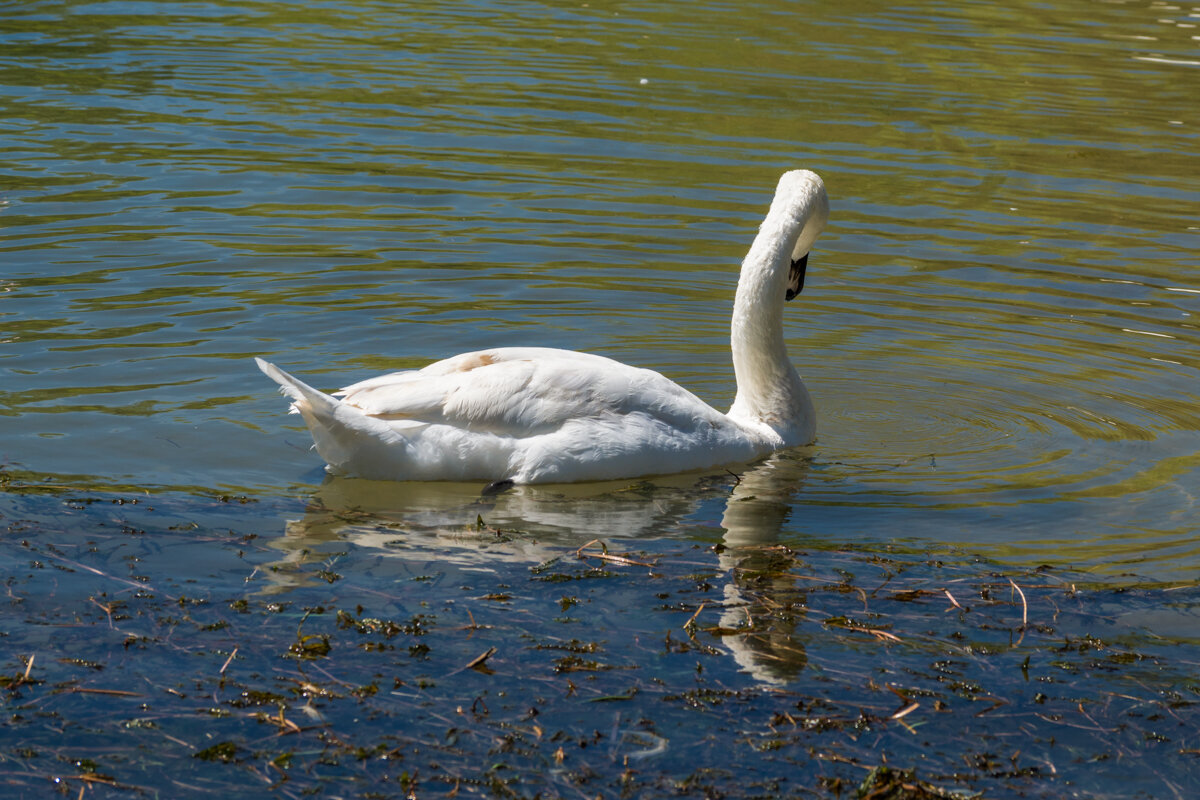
{"x":796,"y":276}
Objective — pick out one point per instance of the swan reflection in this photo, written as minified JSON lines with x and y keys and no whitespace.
{"x":464,"y":532}
{"x":763,"y":595}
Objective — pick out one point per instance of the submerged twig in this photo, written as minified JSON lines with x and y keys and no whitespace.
{"x":480,"y":660}
{"x":952,"y":600}
{"x":579,"y":550}
{"x":111,"y":692}
{"x":692,"y":618}
{"x":103,"y":574}
{"x":623,"y":560}
{"x":474,"y":626}
{"x":89,"y":778}
{"x":106,"y":609}
{"x":604,"y":555}
{"x":996,"y":703}
{"x":1024,"y":604}
{"x":851,"y":625}
{"x":286,"y":726}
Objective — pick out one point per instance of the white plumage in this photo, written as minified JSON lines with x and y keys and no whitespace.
{"x":539,"y":415}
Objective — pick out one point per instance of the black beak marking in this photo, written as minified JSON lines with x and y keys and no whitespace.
{"x":796,"y":276}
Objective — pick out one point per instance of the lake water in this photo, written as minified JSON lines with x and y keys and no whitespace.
{"x":999,"y":327}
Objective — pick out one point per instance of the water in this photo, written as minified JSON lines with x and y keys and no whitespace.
{"x":999,"y":327}
{"x":150,"y":646}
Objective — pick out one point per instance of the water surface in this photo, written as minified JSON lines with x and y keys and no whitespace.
{"x":999,"y":331}
{"x":999,"y":328}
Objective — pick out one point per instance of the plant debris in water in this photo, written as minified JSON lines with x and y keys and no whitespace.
{"x":193,"y":660}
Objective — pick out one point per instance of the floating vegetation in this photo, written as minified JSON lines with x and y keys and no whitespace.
{"x":190,"y":660}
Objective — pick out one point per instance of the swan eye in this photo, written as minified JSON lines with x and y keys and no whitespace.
{"x":796,"y":276}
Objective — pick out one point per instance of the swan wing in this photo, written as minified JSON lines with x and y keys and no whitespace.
{"x":524,"y":392}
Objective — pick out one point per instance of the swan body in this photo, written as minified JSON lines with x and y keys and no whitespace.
{"x":540,"y":415}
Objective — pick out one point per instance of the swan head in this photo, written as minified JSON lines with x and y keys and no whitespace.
{"x":801,"y":199}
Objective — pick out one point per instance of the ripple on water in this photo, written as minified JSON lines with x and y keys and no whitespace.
{"x":999,"y":327}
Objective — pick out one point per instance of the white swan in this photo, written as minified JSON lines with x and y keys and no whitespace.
{"x":539,"y":415}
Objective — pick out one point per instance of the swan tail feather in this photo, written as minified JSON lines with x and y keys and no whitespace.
{"x":344,"y":436}
{"x":305,"y":399}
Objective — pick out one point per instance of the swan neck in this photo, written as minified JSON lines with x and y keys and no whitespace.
{"x":770,"y":393}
